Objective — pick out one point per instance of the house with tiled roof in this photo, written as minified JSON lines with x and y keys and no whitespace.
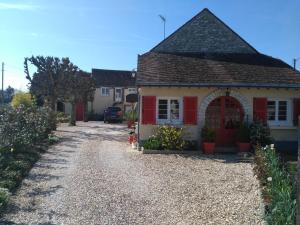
{"x":112,"y":87}
{"x":206,"y":74}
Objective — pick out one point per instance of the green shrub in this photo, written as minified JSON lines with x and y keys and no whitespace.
{"x":24,"y":99}
{"x":62,"y":117}
{"x":279,"y":187}
{"x":243,"y":134}
{"x":152,"y":143}
{"x":260,"y":134}
{"x":23,"y":127}
{"x":4,"y":197}
{"x":208,"y":135}
{"x":171,"y":138}
{"x":52,"y":139}
{"x":131,"y":115}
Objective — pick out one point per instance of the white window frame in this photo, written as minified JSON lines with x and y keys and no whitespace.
{"x":106,"y":93}
{"x":132,"y":90}
{"x":276,"y":122}
{"x":121,"y":97}
{"x":168,"y":120}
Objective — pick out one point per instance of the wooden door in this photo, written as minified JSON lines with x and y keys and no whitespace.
{"x":79,"y":111}
{"x":224,"y":114}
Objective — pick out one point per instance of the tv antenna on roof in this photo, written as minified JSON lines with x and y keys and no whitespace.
{"x":164,"y":20}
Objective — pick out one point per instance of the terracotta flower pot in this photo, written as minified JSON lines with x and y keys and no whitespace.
{"x":132,"y":138}
{"x":209,"y":148}
{"x":130,"y":123}
{"x":244,"y":146}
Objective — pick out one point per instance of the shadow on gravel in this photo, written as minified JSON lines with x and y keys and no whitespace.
{"x":226,"y":158}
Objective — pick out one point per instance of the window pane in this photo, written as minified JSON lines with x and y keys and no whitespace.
{"x":271,"y":110}
{"x":163,"y":109}
{"x":282,"y":110}
{"x":174,"y":105}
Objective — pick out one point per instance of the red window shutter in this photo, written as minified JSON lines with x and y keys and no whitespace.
{"x":260,"y":109}
{"x":190,"y":110}
{"x":296,"y":111}
{"x":148,"y":110}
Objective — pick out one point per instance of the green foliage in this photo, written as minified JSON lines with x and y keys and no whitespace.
{"x":23,"y":127}
{"x":131,"y":115}
{"x":62,"y":117}
{"x":278,"y":187}
{"x":8,"y":94}
{"x":152,"y":143}
{"x":51,"y":78}
{"x":243,"y":134}
{"x":4,"y":197}
{"x":260,"y":134}
{"x":24,"y":99}
{"x":52,"y":139}
{"x":208,"y":135}
{"x":171,"y":138}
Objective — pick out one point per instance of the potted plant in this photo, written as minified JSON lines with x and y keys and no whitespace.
{"x":243,"y":138}
{"x":130,"y":117}
{"x":208,"y":140}
{"x":132,"y":138}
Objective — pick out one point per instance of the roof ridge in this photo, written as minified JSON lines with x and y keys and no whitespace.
{"x":112,"y":70}
{"x":196,"y":16}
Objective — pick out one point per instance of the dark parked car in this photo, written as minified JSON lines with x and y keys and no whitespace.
{"x":112,"y":114}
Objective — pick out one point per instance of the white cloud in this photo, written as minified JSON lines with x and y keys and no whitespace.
{"x":16,"y":6}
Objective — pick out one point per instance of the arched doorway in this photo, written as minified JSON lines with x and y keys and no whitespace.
{"x":224,"y":114}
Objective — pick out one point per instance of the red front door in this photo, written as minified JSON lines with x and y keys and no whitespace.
{"x":225,"y":115}
{"x":79,"y":111}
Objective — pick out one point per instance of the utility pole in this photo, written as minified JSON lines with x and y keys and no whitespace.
{"x":164,"y":21}
{"x":3,"y":83}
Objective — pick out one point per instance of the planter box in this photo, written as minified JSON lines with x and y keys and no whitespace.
{"x":167,"y":152}
{"x":209,"y":148}
{"x":244,"y":147}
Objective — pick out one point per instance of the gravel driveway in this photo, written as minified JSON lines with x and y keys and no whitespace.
{"x":93,"y":177}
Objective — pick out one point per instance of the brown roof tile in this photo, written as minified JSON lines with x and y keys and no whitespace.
{"x":215,"y":70}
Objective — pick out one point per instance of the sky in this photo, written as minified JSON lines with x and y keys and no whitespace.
{"x":110,"y":34}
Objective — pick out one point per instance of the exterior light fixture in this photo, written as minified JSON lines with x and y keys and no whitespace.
{"x":133,"y":73}
{"x":227,"y":93}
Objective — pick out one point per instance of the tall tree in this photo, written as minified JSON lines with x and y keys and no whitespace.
{"x":49,"y":79}
{"x":81,"y":88}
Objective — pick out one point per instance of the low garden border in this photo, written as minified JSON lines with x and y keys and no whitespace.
{"x":169,"y":152}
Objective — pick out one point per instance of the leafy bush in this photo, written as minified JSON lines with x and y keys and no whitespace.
{"x":23,"y":127}
{"x":208,"y":135}
{"x":152,"y":143}
{"x":131,"y":115}
{"x":4,"y":197}
{"x":21,"y":98}
{"x":52,"y":139}
{"x":171,"y":138}
{"x":243,"y":134}
{"x":62,"y":117}
{"x":260,"y":134}
{"x":279,"y":189}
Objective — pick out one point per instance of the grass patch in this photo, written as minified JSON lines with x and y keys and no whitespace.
{"x":14,"y":166}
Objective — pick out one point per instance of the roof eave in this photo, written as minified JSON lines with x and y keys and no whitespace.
{"x":224,"y":85}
